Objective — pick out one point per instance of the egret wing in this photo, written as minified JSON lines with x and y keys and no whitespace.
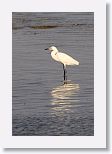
{"x":66,"y":59}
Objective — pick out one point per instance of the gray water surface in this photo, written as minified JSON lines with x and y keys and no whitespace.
{"x":41,"y":103}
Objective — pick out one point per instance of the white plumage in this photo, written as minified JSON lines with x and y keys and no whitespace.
{"x":66,"y":59}
{"x":62,"y":58}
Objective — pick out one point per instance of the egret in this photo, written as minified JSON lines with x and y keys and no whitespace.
{"x":62,"y":58}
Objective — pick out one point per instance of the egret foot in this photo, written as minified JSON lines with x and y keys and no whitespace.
{"x":65,"y":82}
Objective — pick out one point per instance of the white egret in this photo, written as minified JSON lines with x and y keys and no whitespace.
{"x":62,"y":58}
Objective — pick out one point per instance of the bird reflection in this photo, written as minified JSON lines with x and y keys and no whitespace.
{"x":63,"y":98}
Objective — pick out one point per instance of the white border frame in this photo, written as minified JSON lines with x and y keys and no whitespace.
{"x":99,"y":138}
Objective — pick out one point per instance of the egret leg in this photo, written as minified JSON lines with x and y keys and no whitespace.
{"x":64,"y":71}
{"x":65,"y":74}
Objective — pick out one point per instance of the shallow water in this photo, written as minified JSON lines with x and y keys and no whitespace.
{"x":41,"y":103}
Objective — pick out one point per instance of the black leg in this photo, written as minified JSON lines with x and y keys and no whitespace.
{"x":65,"y":74}
{"x":64,"y":71}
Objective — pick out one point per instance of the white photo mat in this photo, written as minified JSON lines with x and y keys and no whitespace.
{"x":99,"y":138}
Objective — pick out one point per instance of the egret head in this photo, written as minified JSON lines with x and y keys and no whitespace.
{"x":52,"y":48}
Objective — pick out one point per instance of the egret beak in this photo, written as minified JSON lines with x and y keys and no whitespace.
{"x":47,"y":49}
